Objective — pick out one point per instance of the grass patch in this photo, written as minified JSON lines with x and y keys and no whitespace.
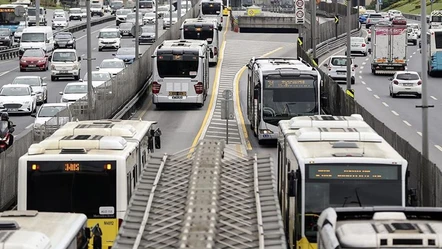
{"x":413,"y":7}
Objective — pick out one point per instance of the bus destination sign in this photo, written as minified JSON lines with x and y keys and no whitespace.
{"x":367,"y":172}
{"x":8,"y":10}
{"x":286,"y":83}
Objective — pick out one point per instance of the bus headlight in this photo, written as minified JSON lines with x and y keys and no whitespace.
{"x":265,"y":131}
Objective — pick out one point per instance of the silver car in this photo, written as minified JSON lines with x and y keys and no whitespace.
{"x":337,"y":69}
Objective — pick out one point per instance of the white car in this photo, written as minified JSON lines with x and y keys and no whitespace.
{"x":39,"y":87}
{"x":406,"y":82}
{"x":98,"y":78}
{"x":166,"y":20}
{"x":130,"y":18}
{"x":358,"y":45}
{"x":73,"y":92}
{"x":46,"y":113}
{"x":58,"y":12}
{"x":75,"y":14}
{"x":17,"y":99}
{"x":416,"y":28}
{"x":112,"y":66}
{"x":121,"y":15}
{"x":83,"y":13}
{"x":163,"y":10}
{"x":411,"y":36}
{"x":65,"y":63}
{"x":337,"y":69}
{"x":59,"y":22}
{"x":109,"y":38}
{"x":149,"y":18}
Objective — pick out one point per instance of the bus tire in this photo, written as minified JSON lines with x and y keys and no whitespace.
{"x":199,"y":105}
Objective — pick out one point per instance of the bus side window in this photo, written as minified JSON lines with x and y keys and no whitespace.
{"x":135,"y":175}
{"x":129,"y":186}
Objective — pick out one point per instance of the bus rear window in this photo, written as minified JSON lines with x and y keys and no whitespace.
{"x":203,"y":34}
{"x":211,"y":8}
{"x":438,"y":39}
{"x":175,"y":68}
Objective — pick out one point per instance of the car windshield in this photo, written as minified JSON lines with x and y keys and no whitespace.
{"x":112,"y":64}
{"x":109,"y":34}
{"x":148,"y":29}
{"x":132,"y":15}
{"x":150,"y":14}
{"x":14,"y":91}
{"x":123,"y":11}
{"x":75,"y":11}
{"x":97,"y":76}
{"x":31,"y":81}
{"x":60,"y":19}
{"x":163,"y":8}
{"x":33,"y":37}
{"x":63,"y":37}
{"x":126,"y":51}
{"x":4,"y":32}
{"x":339,"y":61}
{"x":407,"y":76}
{"x":126,"y":25}
{"x":50,"y":111}
{"x":33,"y":53}
{"x":117,"y":5}
{"x":64,"y":56}
{"x":97,"y":6}
{"x":74,"y":89}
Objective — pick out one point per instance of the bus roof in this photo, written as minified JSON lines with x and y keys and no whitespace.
{"x":317,"y":144}
{"x":128,"y":129}
{"x":37,"y":229}
{"x":182,"y":44}
{"x":290,"y":126}
{"x":386,"y":226}
{"x":38,"y":29}
{"x":201,"y":20}
{"x":270,"y":64}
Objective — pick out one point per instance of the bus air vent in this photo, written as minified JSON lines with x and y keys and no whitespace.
{"x":9,"y":225}
{"x":73,"y":151}
{"x":21,"y":213}
{"x":346,"y":145}
{"x":327,"y":117}
{"x":407,"y":242}
{"x":95,"y":125}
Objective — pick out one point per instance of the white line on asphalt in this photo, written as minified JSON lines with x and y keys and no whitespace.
{"x":411,"y":56}
{"x":405,"y":122}
{"x":6,"y":72}
{"x":43,"y":77}
{"x":326,"y":59}
{"x":363,"y":82}
{"x":363,"y":63}
{"x":94,"y":48}
{"x":438,"y":147}
{"x":395,"y":113}
{"x":369,"y":89}
{"x":385,"y":104}
{"x":361,"y":69}
{"x":433,"y":97}
{"x":360,"y":77}
{"x":366,"y":59}
{"x":376,"y":96}
{"x":29,"y":126}
{"x":414,"y":52}
{"x":420,"y":133}
{"x":81,"y":37}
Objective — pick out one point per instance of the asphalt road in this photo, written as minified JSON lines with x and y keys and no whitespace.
{"x":10,"y":69}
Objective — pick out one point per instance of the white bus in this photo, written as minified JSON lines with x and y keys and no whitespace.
{"x":434,"y":51}
{"x":203,"y":29}
{"x":380,"y":227}
{"x":180,"y":73}
{"x":43,"y":230}
{"x":88,"y":167}
{"x":212,"y":9}
{"x":435,"y":20}
{"x":278,"y":89}
{"x":322,"y":167}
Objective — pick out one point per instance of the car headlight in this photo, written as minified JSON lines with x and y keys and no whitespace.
{"x":70,"y":42}
{"x":40,"y":61}
{"x":52,"y":67}
{"x":75,"y":67}
{"x":64,"y":100}
{"x":7,"y":38}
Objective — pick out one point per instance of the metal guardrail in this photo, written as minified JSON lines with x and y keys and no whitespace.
{"x":333,"y":43}
{"x":12,"y":52}
{"x":413,"y":17}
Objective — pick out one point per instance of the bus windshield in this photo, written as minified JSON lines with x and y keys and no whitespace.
{"x":68,"y":186}
{"x":205,"y":33}
{"x":177,"y":65}
{"x":436,"y":19}
{"x":146,"y":4}
{"x":284,"y":98}
{"x":211,"y":8}
{"x":9,"y":18}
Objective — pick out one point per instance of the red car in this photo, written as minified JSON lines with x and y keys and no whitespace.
{"x":35,"y":59}
{"x":399,"y":20}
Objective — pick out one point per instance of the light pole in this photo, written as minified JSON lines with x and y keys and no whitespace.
{"x":37,"y":12}
{"x":156,"y":20}
{"x":348,"y":45}
{"x":137,"y":28}
{"x":178,"y":9}
{"x":170,"y":14}
{"x":313,"y":27}
{"x":89,"y":59}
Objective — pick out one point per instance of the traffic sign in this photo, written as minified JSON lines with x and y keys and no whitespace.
{"x":300,"y":41}
{"x":300,"y":3}
{"x":227,"y":94}
{"x":299,"y":11}
{"x":336,"y":19}
{"x":351,"y":93}
{"x":300,"y":14}
{"x":250,"y":12}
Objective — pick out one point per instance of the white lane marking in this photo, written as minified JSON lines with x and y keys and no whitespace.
{"x":411,"y":56}
{"x":369,"y":89}
{"x":363,"y":82}
{"x":326,"y":59}
{"x":94,"y":48}
{"x":376,"y":96}
{"x":363,"y":63}
{"x":83,"y":55}
{"x":6,"y":72}
{"x":43,"y":77}
{"x":385,"y":104}
{"x":414,"y":52}
{"x":360,"y":77}
{"x":361,"y":69}
{"x":366,"y":59}
{"x":29,"y":126}
{"x":420,"y":133}
{"x":433,"y":97}
{"x":405,"y":122}
{"x":93,"y":32}
{"x":395,"y":113}
{"x":438,"y":147}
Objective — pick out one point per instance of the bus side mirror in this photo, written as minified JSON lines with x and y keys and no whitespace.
{"x":292,"y":182}
{"x":256,"y":93}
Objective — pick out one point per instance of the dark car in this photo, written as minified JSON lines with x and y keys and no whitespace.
{"x":127,"y":28}
{"x":35,"y":59}
{"x":127,"y":54}
{"x":147,"y":35}
{"x":116,"y":6}
{"x":6,"y":38}
{"x":65,"y":40}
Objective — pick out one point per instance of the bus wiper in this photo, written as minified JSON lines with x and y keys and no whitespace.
{"x":357,"y":196}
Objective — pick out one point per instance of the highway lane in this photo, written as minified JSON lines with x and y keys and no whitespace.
{"x":54,"y":87}
{"x":400,"y":114}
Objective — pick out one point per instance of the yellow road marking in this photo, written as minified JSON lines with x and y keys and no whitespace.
{"x":214,"y":89}
{"x":238,"y":104}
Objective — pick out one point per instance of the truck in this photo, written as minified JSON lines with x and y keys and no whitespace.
{"x":435,"y":20}
{"x":388,"y":48}
{"x":97,"y":8}
{"x":434,"y":50}
{"x":32,"y":15}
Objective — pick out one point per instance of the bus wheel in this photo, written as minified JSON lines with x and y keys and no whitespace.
{"x":199,"y":105}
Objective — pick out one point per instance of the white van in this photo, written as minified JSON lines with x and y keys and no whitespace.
{"x":109,"y":38}
{"x":65,"y":63}
{"x":37,"y":37}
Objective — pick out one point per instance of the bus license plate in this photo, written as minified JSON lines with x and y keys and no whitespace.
{"x":390,"y":67}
